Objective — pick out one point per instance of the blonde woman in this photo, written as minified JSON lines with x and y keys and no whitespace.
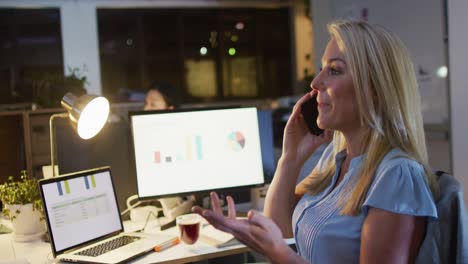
{"x":369,"y":197}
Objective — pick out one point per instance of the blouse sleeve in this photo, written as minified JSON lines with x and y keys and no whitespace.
{"x":400,"y":186}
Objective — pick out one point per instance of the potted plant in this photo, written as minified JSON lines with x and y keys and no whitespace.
{"x":22,"y":205}
{"x":48,"y":87}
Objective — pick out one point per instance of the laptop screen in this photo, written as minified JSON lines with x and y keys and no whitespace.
{"x":80,"y":207}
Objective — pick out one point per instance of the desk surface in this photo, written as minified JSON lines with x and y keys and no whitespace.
{"x":182,"y":253}
{"x":40,"y":252}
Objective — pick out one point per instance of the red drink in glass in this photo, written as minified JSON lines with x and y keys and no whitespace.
{"x":189,"y":233}
{"x":189,"y":228}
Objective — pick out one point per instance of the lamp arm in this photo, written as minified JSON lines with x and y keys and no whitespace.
{"x":52,"y":138}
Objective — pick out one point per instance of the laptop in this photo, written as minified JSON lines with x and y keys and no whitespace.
{"x":84,"y":222}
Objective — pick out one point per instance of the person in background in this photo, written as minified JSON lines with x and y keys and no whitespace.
{"x":161,"y":96}
{"x":370,"y":196}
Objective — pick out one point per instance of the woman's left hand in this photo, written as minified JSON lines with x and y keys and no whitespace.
{"x":257,"y":231}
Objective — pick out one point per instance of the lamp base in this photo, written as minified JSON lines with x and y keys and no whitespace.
{"x":47,"y":171}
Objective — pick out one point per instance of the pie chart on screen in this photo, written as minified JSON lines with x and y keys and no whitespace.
{"x":236,"y":140}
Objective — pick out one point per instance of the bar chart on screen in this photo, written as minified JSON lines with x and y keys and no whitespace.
{"x":196,"y":150}
{"x":191,"y":149}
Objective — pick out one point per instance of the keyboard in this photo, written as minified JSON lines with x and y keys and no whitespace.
{"x":108,"y":246}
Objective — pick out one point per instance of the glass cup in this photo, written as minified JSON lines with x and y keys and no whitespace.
{"x":189,"y":228}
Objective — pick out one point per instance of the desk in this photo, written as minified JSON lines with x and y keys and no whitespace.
{"x":40,"y":252}
{"x":33,"y":252}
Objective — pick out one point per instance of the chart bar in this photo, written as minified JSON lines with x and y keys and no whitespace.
{"x":198,"y":144}
{"x":59,"y":187}
{"x":67,"y":187}
{"x":157,"y":157}
{"x":93,"y":181}
{"x":86,"y":182}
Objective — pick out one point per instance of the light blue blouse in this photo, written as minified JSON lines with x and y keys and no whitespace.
{"x":324,"y":236}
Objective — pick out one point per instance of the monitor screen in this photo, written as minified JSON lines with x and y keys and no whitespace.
{"x":80,"y":207}
{"x":187,"y":151}
{"x":265,"y":122}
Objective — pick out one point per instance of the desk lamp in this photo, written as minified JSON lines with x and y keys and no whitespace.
{"x":88,"y":114}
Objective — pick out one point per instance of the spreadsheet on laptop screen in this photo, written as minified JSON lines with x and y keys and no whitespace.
{"x":81,"y":209}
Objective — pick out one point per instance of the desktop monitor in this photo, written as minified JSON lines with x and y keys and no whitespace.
{"x":196,"y":150}
{"x":265,"y":123}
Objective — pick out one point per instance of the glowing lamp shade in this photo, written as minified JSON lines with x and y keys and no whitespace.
{"x":88,"y":113}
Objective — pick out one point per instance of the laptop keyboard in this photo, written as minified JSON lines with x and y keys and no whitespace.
{"x":108,"y":246}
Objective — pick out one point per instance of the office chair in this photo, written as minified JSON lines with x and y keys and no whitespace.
{"x":446,"y":238}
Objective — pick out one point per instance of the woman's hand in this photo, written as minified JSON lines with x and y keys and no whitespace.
{"x":257,"y":232}
{"x":298,"y":142}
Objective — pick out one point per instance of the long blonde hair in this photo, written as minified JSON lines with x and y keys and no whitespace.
{"x":388,"y":101}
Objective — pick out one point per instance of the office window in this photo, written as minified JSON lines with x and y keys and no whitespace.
{"x":137,"y":47}
{"x":206,"y":54}
{"x":275,"y":51}
{"x":118,"y":48}
{"x":200,"y":45}
{"x":162,"y":48}
{"x":30,"y":55}
{"x":239,"y":54}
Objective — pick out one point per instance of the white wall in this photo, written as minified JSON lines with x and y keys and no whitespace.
{"x":304,"y":44}
{"x":458,"y":73}
{"x":321,"y":15}
{"x":419,"y":23}
{"x":80,"y":42}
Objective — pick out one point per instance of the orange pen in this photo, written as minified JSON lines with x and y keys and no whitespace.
{"x":167,"y":244}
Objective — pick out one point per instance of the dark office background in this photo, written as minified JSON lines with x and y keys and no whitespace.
{"x":30,"y":53}
{"x":140,"y":46}
{"x":247,"y":56}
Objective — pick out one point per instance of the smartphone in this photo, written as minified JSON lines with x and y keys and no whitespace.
{"x":310,"y":113}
